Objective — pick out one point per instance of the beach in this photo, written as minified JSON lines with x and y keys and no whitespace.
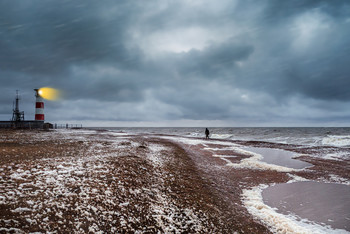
{"x":117,"y":181}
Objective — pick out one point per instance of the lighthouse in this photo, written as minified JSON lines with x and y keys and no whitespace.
{"x":39,"y":106}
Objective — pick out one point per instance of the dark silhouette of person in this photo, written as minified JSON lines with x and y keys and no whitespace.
{"x":206,"y":133}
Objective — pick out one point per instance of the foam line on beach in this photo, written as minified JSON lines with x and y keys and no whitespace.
{"x":295,"y":178}
{"x":253,"y":162}
{"x":190,"y":141}
{"x":335,"y":140}
{"x":224,"y":156}
{"x":338,"y":180}
{"x":219,"y":149}
{"x":279,"y":223}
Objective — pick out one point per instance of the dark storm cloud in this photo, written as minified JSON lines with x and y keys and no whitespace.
{"x":277,"y":10}
{"x":316,"y":69}
{"x":42,"y":42}
{"x":157,"y":60}
{"x":215,"y":60}
{"x":47,"y":38}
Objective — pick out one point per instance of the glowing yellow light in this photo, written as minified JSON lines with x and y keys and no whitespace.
{"x":49,"y":93}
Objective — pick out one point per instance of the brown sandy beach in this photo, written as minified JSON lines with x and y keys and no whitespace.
{"x":90,"y":181}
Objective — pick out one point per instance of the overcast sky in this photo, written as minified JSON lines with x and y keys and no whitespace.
{"x":179,"y":63}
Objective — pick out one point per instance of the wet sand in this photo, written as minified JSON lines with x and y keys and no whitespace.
{"x":81,"y":181}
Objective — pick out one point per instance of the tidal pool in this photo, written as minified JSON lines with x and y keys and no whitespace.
{"x":279,"y":157}
{"x":324,"y":203}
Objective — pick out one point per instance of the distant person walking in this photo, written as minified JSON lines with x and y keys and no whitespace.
{"x":206,"y":133}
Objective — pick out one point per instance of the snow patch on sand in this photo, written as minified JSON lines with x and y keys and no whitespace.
{"x":21,"y":209}
{"x":155,"y":154}
{"x":53,"y":186}
{"x":169,"y":217}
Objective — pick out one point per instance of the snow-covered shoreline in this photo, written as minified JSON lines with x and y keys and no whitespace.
{"x":105,"y":181}
{"x":87,"y":181}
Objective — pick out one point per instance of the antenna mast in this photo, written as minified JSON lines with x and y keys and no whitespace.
{"x":17,"y":115}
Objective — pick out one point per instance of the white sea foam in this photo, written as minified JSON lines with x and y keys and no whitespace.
{"x":338,"y":180}
{"x":76,"y":131}
{"x":276,"y":222}
{"x":191,"y":141}
{"x":336,"y":140}
{"x":224,"y":156}
{"x":295,"y":178}
{"x":112,"y":133}
{"x":220,"y":149}
{"x":335,"y":156}
{"x":255,"y":162}
{"x":221,"y":136}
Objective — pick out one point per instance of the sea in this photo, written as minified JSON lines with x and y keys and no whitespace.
{"x":306,"y":136}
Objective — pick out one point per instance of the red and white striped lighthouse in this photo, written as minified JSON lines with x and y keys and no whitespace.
{"x":39,"y":106}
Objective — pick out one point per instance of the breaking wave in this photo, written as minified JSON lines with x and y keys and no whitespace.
{"x":339,"y":141}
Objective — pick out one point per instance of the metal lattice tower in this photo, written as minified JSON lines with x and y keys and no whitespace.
{"x":17,"y":115}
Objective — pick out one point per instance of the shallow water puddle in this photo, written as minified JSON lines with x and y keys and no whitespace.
{"x":279,"y":157}
{"x":325,"y":203}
